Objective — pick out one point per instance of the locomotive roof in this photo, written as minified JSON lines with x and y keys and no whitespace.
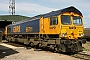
{"x":29,"y":19}
{"x":69,"y":9}
{"x":53,"y":13}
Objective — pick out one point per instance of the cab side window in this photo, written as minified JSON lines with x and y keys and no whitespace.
{"x":53,"y":20}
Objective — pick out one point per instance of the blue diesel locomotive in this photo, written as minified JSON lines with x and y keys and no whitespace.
{"x":60,"y":30}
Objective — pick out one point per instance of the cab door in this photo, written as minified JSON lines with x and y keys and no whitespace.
{"x":53,"y":26}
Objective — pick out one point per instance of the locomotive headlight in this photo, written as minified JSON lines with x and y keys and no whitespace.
{"x":81,"y":35}
{"x":63,"y":34}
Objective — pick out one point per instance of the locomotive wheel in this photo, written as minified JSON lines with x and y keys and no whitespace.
{"x":56,"y":50}
{"x":61,"y":48}
{"x":31,"y":44}
{"x":51,"y":47}
{"x":9,"y":40}
{"x":38,"y":45}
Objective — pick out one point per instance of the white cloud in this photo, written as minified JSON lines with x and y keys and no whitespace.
{"x":31,"y":8}
{"x":61,"y":1}
{"x":27,"y":8}
{"x":4,"y":6}
{"x":87,"y":17}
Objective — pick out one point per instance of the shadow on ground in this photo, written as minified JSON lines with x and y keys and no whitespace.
{"x":5,"y":51}
{"x":14,"y":44}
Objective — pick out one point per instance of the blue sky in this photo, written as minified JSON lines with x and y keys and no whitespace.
{"x":34,"y":7}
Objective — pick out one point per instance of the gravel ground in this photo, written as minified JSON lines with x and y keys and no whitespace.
{"x":36,"y":55}
{"x":11,"y":52}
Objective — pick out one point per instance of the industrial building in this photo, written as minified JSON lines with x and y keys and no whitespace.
{"x":9,"y":19}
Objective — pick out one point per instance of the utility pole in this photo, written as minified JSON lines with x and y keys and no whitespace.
{"x":12,"y":7}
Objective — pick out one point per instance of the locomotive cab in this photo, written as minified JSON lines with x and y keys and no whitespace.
{"x":71,"y":26}
{"x":71,"y":31}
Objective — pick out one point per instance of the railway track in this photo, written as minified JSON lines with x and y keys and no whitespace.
{"x":82,"y":56}
{"x":79,"y":55}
